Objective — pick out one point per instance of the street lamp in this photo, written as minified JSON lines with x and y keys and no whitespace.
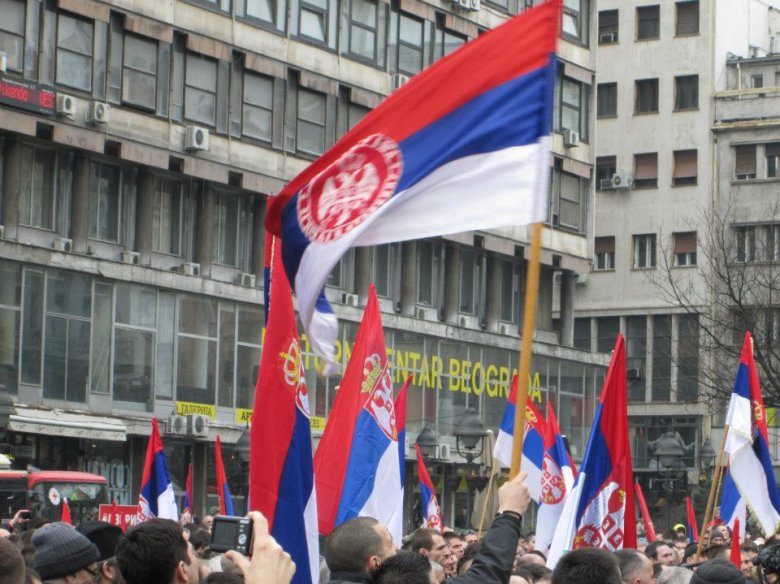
{"x":242,"y":446}
{"x":6,"y":410}
{"x":706,"y":456}
{"x":470,"y":434}
{"x":427,"y":442}
{"x":668,"y":452}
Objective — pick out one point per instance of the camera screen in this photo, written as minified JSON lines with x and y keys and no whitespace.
{"x":224,"y":533}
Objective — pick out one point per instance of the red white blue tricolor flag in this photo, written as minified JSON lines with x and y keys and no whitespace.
{"x":747,"y":446}
{"x":223,"y":491}
{"x":281,"y":480}
{"x":430,"y":507}
{"x":599,"y":511}
{"x":464,"y":145}
{"x":157,"y":498}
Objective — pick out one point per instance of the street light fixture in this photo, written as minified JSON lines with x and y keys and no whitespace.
{"x":470,"y":434}
{"x":427,"y":442}
{"x":242,"y":446}
{"x":6,"y":410}
{"x":669,"y":453}
{"x":706,"y":456}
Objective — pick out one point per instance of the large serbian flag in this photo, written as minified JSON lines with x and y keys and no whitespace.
{"x":357,"y":465}
{"x":281,"y":483}
{"x":157,"y":498}
{"x":747,"y":445}
{"x":464,"y":145}
{"x":599,"y":511}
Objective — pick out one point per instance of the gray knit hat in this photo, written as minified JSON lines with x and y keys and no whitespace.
{"x":718,"y":572}
{"x":61,"y":550}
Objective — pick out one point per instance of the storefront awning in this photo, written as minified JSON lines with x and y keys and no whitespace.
{"x":70,"y":425}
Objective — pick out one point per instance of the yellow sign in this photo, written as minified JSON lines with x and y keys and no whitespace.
{"x":317,"y":423}
{"x":185,"y":408}
{"x":243,"y":416}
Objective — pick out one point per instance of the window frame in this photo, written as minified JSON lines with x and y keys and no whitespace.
{"x":745,"y":243}
{"x":310,"y":122}
{"x":683,"y":254}
{"x":151,"y":107}
{"x":353,"y":24}
{"x":748,"y":174}
{"x":604,"y":254}
{"x":641,"y":87}
{"x":644,"y":251}
{"x":17,"y":36}
{"x":579,"y":16}
{"x":678,"y":159}
{"x":678,"y":21}
{"x":644,"y":15}
{"x":400,"y":43}
{"x":119,"y":201}
{"x":610,"y":93}
{"x":256,"y":106}
{"x":680,"y":90}
{"x":90,"y":58}
{"x":609,"y":33}
{"x":242,"y":206}
{"x":191,"y":89}
{"x":322,"y":13}
{"x":645,"y":183}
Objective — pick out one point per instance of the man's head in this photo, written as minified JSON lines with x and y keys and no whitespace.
{"x":674,"y":575}
{"x":680,"y":543}
{"x":660,"y":552}
{"x":587,"y":566}
{"x":62,"y":551}
{"x":469,"y":536}
{"x":429,"y":543}
{"x":156,"y":551}
{"x":11,"y":563}
{"x":404,"y":568}
{"x":635,"y":568}
{"x":104,"y":535}
{"x":358,"y":546}
{"x":456,"y":544}
{"x":718,"y":572}
{"x":718,"y":536}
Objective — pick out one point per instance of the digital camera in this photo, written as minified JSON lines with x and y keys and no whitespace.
{"x":231,"y":533}
{"x":768,"y":559}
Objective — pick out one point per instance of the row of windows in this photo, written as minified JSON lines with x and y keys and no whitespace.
{"x":647,"y":23}
{"x":644,"y":251}
{"x":757,"y":243}
{"x":686,"y":96}
{"x":748,"y":156}
{"x":684,"y":171}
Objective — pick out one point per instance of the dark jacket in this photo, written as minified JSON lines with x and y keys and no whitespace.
{"x":493,"y":563}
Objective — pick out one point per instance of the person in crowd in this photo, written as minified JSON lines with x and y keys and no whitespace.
{"x":635,"y":568}
{"x":674,"y":575}
{"x":429,"y":543}
{"x":534,"y":557}
{"x":641,"y":544}
{"x":717,"y":572}
{"x":200,"y":538}
{"x":717,"y":536}
{"x":450,"y":564}
{"x":521,"y":576}
{"x":680,"y":543}
{"x":404,"y":568}
{"x":108,"y":573}
{"x":104,"y":535}
{"x":540,"y":574}
{"x":587,"y":566}
{"x":156,"y":551}
{"x":660,"y":552}
{"x":356,"y":548}
{"x":469,"y":554}
{"x":12,"y":566}
{"x":455,"y":542}
{"x":207,"y":521}
{"x":469,"y":536}
{"x":748,"y":551}
{"x":717,"y":552}
{"x":63,"y":555}
{"x":680,"y":531}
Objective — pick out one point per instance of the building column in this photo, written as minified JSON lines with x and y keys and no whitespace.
{"x":258,"y":236}
{"x":408,"y":277}
{"x":200,"y":457}
{"x":451,"y":298}
{"x":493,"y":294}
{"x":12,"y":181}
{"x":567,"y":308}
{"x":362,"y":272}
{"x":144,"y":225}
{"x":203,"y":251}
{"x":80,"y":207}
{"x":649,"y":363}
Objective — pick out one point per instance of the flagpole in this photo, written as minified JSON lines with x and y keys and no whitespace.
{"x":493,"y":471}
{"x":526,"y":346}
{"x":713,"y":487}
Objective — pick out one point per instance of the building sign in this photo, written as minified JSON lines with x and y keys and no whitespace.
{"x":186,"y":408}
{"x":27,"y":95}
{"x":243,"y":416}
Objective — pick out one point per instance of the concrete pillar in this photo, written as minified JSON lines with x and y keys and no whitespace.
{"x":362,"y":272}
{"x":80,"y":207}
{"x":675,"y":350}
{"x":408,"y":277}
{"x":203,"y":245}
{"x":258,"y":235}
{"x":451,"y":298}
{"x":200,"y":453}
{"x":567,"y":308}
{"x":144,"y":225}
{"x":649,"y":362}
{"x":12,"y":182}
{"x":493,"y":294}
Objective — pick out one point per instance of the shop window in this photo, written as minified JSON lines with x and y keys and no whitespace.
{"x":687,"y":18}
{"x":139,"y":73}
{"x":686,"y":92}
{"x":134,"y":346}
{"x":607,"y":100}
{"x":232,"y":230}
{"x":608,"y":27}
{"x":685,"y":249}
{"x":200,"y":90}
{"x":604,"y":251}
{"x":10,"y":320}
{"x":646,"y":96}
{"x":12,"y":33}
{"x":685,"y":167}
{"x":74,"y":52}
{"x":745,"y":162}
{"x":646,"y":170}
{"x":363,"y":27}
{"x":644,"y":251}
{"x":311,"y":122}
{"x":648,"y":22}
{"x":257,"y":119}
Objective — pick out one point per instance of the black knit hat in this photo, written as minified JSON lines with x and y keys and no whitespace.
{"x":61,"y":550}
{"x":718,"y":572}
{"x":104,"y":535}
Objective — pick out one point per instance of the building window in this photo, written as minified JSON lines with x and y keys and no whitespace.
{"x":687,"y":357}
{"x":607,"y":100}
{"x":257,"y":118}
{"x":772,"y":153}
{"x":311,"y":122}
{"x":757,"y":81}
{"x":134,"y":345}
{"x":606,"y":167}
{"x":636,"y":356}
{"x":200,"y":90}
{"x":39,"y":186}
{"x":105,"y":202}
{"x":139,"y":73}
{"x":685,"y":167}
{"x":447,"y":42}
{"x":74,"y":52}
{"x":686,"y":92}
{"x":10,"y":320}
{"x":196,"y":371}
{"x":746,"y":243}
{"x":644,"y":251}
{"x":314,"y":20}
{"x":646,"y":170}
{"x":264,"y":10}
{"x":604,"y":252}
{"x":384,"y":268}
{"x":574,"y":106}
{"x":687,"y":18}
{"x":662,"y":358}
{"x":356,"y":113}
{"x":363,"y":23}
{"x":12,"y":33}
{"x":646,"y":96}
{"x":173,"y":209}
{"x":772,"y":242}
{"x":575,"y":19}
{"x":745,"y":164}
{"x":411,"y":56}
{"x":470,"y":280}
{"x":608,"y":27}
{"x":569,"y":190}
{"x":509,"y":288}
{"x":685,"y":249}
{"x":608,"y":328}
{"x":648,"y":22}
{"x":232,"y":231}
{"x":429,"y":264}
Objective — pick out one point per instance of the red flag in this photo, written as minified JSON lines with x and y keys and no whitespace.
{"x":649,"y":529}
{"x":188,"y":490}
{"x":693,"y":530}
{"x":736,"y":553}
{"x":225,"y":500}
{"x":65,"y":517}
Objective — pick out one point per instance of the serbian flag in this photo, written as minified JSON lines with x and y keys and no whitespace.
{"x":223,"y":492}
{"x":356,"y":464}
{"x":463,"y":146}
{"x":157,"y":498}
{"x":733,"y":508}
{"x":430,"y":507}
{"x":281,"y":484}
{"x":533,"y":441}
{"x":747,"y":445}
{"x":65,"y":517}
{"x":693,"y":530}
{"x":188,"y":490}
{"x":396,"y":522}
{"x":599,"y":511}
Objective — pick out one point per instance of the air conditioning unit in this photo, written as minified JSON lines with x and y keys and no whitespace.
{"x":474,"y":5}
{"x":505,"y":329}
{"x":63,"y":244}
{"x":176,"y":425}
{"x":582,"y":278}
{"x":423,"y":313}
{"x":621,"y":180}
{"x":349,"y":299}
{"x":246,"y":279}
{"x":466,"y":4}
{"x":443,"y":452}
{"x":98,"y":113}
{"x":571,"y":138}
{"x":131,"y":257}
{"x":191,"y":269}
{"x":633,"y":374}
{"x":66,"y":105}
{"x":469,"y":321}
{"x":198,"y":425}
{"x":397,"y":81}
{"x":607,"y":37}
{"x":605,"y":184}
{"x":196,"y":138}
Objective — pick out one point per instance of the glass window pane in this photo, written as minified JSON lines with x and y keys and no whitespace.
{"x":33,"y":327}
{"x":136,"y":305}
{"x":257,"y":123}
{"x":425,"y":273}
{"x":227,"y":351}
{"x":139,"y":89}
{"x":196,"y":370}
{"x":166,"y":334}
{"x":198,"y":316}
{"x":201,"y":73}
{"x":141,"y":54}
{"x":9,"y":348}
{"x":74,"y":34}
{"x":68,"y":293}
{"x":250,"y":325}
{"x":411,"y":31}
{"x":313,"y":24}
{"x":101,"y":339}
{"x":364,"y":12}
{"x":246,"y":378}
{"x":55,"y":361}
{"x":262,"y":9}
{"x":134,"y":366}
{"x":363,"y":42}
{"x":10,"y":283}
{"x":200,"y":106}
{"x":258,"y":90}
{"x":467,"y":276}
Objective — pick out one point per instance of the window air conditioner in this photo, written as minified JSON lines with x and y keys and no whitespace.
{"x":443,"y":452}
{"x":621,"y":180}
{"x":196,"y":138}
{"x":66,"y":105}
{"x":131,"y":257}
{"x":198,"y":425}
{"x":190,"y":269}
{"x":176,"y":425}
{"x":246,"y":279}
{"x":63,"y":244}
{"x":349,"y":299}
{"x":571,"y":139}
{"x":607,"y":37}
{"x":397,"y":81}
{"x":98,"y":113}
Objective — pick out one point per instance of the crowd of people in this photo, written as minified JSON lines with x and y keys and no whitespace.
{"x":362,"y":551}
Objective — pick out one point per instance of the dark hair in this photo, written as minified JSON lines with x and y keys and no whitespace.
{"x":223,"y":578}
{"x":151,"y":551}
{"x":629,"y":562}
{"x":537,"y":553}
{"x":651,"y":551}
{"x":349,"y":546}
{"x":450,"y":535}
{"x":403,"y":568}
{"x":11,"y":563}
{"x":469,"y":553}
{"x":587,"y":566}
{"x":423,"y":539}
{"x":713,"y":551}
{"x":524,"y":573}
{"x":200,"y":538}
{"x":690,"y":551}
{"x":749,"y":546}
{"x":536,"y":571}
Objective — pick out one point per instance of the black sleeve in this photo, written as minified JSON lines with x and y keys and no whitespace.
{"x":493,"y":564}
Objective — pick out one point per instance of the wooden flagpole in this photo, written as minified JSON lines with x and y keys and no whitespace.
{"x":713,"y":488}
{"x":488,"y":492}
{"x":526,"y":346}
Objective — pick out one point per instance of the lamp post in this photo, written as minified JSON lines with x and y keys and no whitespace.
{"x":427,"y":442}
{"x":668,"y":452}
{"x":470,"y":434}
{"x":6,"y":410}
{"x":706,"y":456}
